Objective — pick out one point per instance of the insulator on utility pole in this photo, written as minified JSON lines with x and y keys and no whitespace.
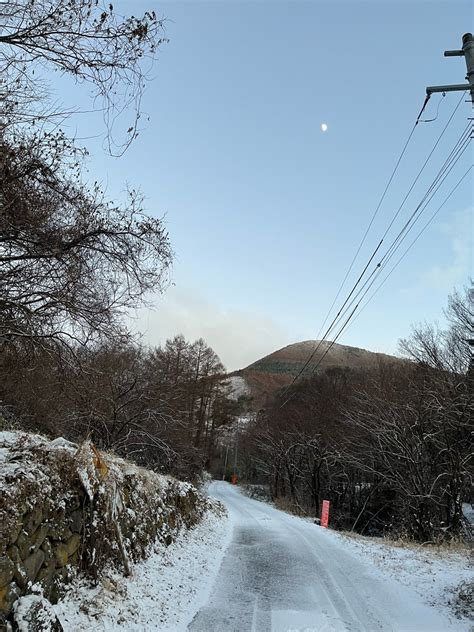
{"x":467,"y":52}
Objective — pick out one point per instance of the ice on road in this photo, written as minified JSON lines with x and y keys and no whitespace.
{"x":281,"y":573}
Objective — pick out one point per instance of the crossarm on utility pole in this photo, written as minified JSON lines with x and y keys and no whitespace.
{"x":458,"y":87}
{"x":468,"y":53}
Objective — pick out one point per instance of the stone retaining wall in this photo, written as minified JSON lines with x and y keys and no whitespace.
{"x":66,"y":509}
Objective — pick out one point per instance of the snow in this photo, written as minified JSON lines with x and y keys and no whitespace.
{"x":33,"y":612}
{"x":432,"y":573}
{"x":22,"y":609}
{"x":16,"y":462}
{"x":261,"y":569}
{"x":239,"y":387}
{"x":284,"y":573}
{"x":8,"y":438}
{"x":468,"y":511}
{"x":164,"y":592}
{"x":64,"y":444}
{"x":4,"y":454}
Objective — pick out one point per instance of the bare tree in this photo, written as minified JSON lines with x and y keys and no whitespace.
{"x":390,"y":446}
{"x":70,"y":261}
{"x":445,"y":349}
{"x":414,"y":438}
{"x":85,"y":39}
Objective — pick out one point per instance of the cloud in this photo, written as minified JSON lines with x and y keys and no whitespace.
{"x":459,"y":233}
{"x":238,"y":337}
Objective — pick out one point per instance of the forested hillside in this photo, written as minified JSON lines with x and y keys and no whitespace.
{"x":390,"y":445}
{"x":303,"y":359}
{"x":75,"y":262}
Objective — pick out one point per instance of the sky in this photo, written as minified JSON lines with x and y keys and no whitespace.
{"x":264,"y":210}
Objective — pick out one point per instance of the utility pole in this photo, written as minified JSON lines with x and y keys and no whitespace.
{"x":467,"y":52}
{"x":236,"y":443}
{"x":225,"y":462}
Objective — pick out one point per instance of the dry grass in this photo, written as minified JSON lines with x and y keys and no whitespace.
{"x":286,"y":504}
{"x":453,"y":546}
{"x":462,"y":601}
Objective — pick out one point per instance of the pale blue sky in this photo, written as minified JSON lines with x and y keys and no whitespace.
{"x":264,"y":210}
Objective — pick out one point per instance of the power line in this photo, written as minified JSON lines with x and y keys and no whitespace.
{"x":383,"y":197}
{"x":441,"y":176}
{"x":335,"y":319}
{"x":457,"y":185}
{"x":424,"y":165}
{"x":447,"y":167}
{"x":351,"y":315}
{"x":392,"y":250}
{"x":372,"y":219}
{"x":443,"y":173}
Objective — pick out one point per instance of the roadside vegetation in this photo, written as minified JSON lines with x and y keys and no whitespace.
{"x":390,"y":447}
{"x":73,"y":262}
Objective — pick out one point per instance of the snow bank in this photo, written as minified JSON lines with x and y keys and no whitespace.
{"x":436,"y":574}
{"x":239,"y":387}
{"x":67,"y":509}
{"x":163,"y":593}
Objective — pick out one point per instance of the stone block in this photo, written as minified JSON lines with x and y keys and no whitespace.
{"x":46,"y":572}
{"x":16,"y":531}
{"x":23,"y":544}
{"x":45,"y":578}
{"x":6,"y":570}
{"x":13,"y":553}
{"x":33,"y":564}
{"x":48,"y":550}
{"x":60,"y":532}
{"x":33,"y":520}
{"x":8,"y":595}
{"x":39,"y":536}
{"x":61,"y":555}
{"x":73,"y":544}
{"x":19,"y":575}
{"x":76,"y":520}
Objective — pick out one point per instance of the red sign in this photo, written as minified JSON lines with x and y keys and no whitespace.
{"x":325,"y":514}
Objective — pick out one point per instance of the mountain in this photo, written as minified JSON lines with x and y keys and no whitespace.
{"x":265,"y":376}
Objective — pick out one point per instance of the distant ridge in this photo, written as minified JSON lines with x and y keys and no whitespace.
{"x":270,"y":373}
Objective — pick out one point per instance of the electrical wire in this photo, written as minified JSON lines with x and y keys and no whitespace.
{"x":372,"y":219}
{"x":443,"y":172}
{"x":406,"y":251}
{"x":447,"y":167}
{"x":351,"y":316}
{"x":420,"y":120}
{"x":335,"y":319}
{"x":385,"y":193}
{"x":389,"y":254}
{"x":424,"y":165}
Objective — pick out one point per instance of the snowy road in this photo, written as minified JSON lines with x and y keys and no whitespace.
{"x":281,"y":573}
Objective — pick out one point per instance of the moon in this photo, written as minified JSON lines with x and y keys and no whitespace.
{"x":324,"y":127}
